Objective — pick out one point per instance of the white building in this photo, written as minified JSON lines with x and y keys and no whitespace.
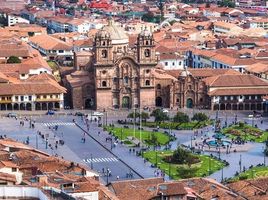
{"x":13,"y":19}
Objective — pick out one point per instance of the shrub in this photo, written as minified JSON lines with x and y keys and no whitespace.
{"x":181,"y":117}
{"x":200,"y":117}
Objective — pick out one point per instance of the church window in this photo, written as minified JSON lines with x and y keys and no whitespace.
{"x":147,"y":82}
{"x":104,"y":53}
{"x":136,"y":79}
{"x":158,"y":86}
{"x":115,"y":79}
{"x":178,"y":100}
{"x":147,"y":71}
{"x":103,"y":43}
{"x":104,"y":84}
{"x":147,"y":53}
{"x":126,"y":80}
{"x":104,"y":72}
{"x":189,"y":87}
{"x":201,"y":100}
{"x":147,"y":42}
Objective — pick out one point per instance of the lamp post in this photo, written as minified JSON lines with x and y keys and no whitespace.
{"x":222,"y":175}
{"x":91,"y":161}
{"x":134,"y":123}
{"x":240,"y":163}
{"x":156,"y":158}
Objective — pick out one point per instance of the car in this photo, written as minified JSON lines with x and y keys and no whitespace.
{"x":12,"y":115}
{"x":50,"y":112}
{"x":97,"y":114}
{"x":165,"y":111}
{"x":79,"y":114}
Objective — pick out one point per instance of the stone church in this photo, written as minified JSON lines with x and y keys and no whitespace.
{"x":118,"y":75}
{"x":114,"y":75}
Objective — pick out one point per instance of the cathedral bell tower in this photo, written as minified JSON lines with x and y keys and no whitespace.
{"x":145,"y":48}
{"x":103,"y":48}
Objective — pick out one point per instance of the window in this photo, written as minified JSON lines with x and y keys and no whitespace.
{"x":136,"y":79}
{"x":22,"y":98}
{"x":14,"y":169}
{"x":51,"y":96}
{"x":104,"y":84}
{"x":173,"y":63}
{"x":104,"y":72}
{"x":115,"y":79}
{"x":147,"y":42}
{"x":166,"y":63}
{"x":147,"y":82}
{"x":30,"y":98}
{"x":22,"y":75}
{"x":147,"y":71}
{"x":104,"y":53}
{"x":201,"y":100}
{"x":126,"y":80}
{"x":16,"y":98}
{"x":178,"y":100}
{"x":147,"y":53}
{"x":158,"y":86}
{"x":61,"y":51}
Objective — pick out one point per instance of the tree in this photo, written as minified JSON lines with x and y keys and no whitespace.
{"x":182,"y":156}
{"x":200,"y":117}
{"x":186,"y":172}
{"x":181,"y":117}
{"x":144,"y":116}
{"x":159,"y":115}
{"x":133,"y":115}
{"x":13,"y":59}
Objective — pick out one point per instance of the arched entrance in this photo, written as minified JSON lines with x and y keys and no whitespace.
{"x":189,"y":103}
{"x":37,"y":106}
{"x":50,"y":106}
{"x":216,"y":107}
{"x":158,"y":102}
{"x":3,"y":107}
{"x":44,"y":106}
{"x":28,"y":106}
{"x":222,"y":106}
{"x":89,"y":103}
{"x":9,"y":106}
{"x":228,"y":106}
{"x":22,"y":106}
{"x":126,"y":102}
{"x":57,"y":105}
{"x":16,"y":106}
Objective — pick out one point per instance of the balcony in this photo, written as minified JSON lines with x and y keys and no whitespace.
{"x":6,"y":101}
{"x":47,"y":99}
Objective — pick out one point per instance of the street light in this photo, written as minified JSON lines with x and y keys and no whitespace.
{"x":156,"y":158}
{"x":91,"y":161}
{"x":240,"y":163}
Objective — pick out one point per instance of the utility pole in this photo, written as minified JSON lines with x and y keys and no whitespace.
{"x":91,"y":161}
{"x":240,"y":163}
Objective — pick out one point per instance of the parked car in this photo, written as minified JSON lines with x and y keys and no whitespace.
{"x":11,"y":115}
{"x":50,"y":112}
{"x":165,"y":110}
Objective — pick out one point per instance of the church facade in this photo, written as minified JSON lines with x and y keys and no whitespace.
{"x":116,"y":75}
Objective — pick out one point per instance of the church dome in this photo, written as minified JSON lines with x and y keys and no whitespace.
{"x":117,"y":34}
{"x":103,"y":34}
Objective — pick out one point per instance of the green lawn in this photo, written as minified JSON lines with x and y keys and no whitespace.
{"x":162,"y":138}
{"x":255,"y":172}
{"x":207,"y":165}
{"x":175,"y":125}
{"x":246,"y":132}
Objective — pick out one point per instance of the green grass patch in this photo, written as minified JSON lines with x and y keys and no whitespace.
{"x":146,"y":136}
{"x":254,"y":172}
{"x":246,"y":132}
{"x":205,"y":167}
{"x":179,"y":126}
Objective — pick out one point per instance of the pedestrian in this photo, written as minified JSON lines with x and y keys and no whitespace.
{"x":99,"y":133}
{"x":117,"y":177}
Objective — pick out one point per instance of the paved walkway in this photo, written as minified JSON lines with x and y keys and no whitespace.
{"x":121,"y":151}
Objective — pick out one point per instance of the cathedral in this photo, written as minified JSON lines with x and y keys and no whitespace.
{"x":114,"y":75}
{"x":117,"y":75}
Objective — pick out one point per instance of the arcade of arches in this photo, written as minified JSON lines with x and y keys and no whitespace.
{"x":30,"y":106}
